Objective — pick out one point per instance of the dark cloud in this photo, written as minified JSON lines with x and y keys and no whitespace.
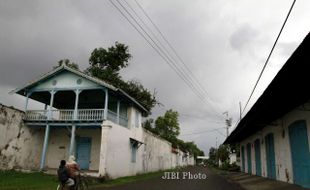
{"x":243,"y":37}
{"x":207,"y":34}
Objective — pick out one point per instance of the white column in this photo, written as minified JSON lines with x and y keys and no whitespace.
{"x":51,"y":105}
{"x":105,"y":127}
{"x":27,"y":99}
{"x":117,"y":111}
{"x":76,"y":105}
{"x":106,"y":103}
{"x":45,"y":145}
{"x":72,"y":140}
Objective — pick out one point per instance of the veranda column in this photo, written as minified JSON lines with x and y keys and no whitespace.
{"x":106,"y":103}
{"x":27,"y":99}
{"x":47,"y":132}
{"x":117,"y":112}
{"x":75,"y":117}
{"x":45,"y":145}
{"x":105,"y":127}
{"x":72,"y":140}
{"x":50,"y":115}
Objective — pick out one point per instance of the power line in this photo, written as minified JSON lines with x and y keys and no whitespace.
{"x":194,"y":117}
{"x":184,"y":71}
{"x":157,"y":48}
{"x":204,"y":131}
{"x":174,"y":51}
{"x":200,"y":118}
{"x":180,"y":71}
{"x":261,"y":73}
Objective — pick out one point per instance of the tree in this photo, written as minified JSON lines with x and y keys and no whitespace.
{"x":141,"y":94}
{"x":213,"y":155}
{"x":192,"y":148}
{"x":148,"y":124}
{"x":167,"y":126}
{"x":113,"y":59}
{"x":106,"y":64}
{"x":68,"y":63}
{"x":223,"y":153}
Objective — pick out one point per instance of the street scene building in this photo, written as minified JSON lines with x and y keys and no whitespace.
{"x":274,"y":135}
{"x":85,"y":117}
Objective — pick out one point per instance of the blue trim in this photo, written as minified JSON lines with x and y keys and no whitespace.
{"x":83,"y":152}
{"x":300,"y":153}
{"x":243,"y":158}
{"x":258,"y":163}
{"x":270,"y":156}
{"x":78,"y":125}
{"x":248,"y":151}
{"x":133,"y":153}
{"x":67,"y":89}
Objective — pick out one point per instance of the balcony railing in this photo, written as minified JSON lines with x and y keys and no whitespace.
{"x":90,"y":114}
{"x":36,"y":115}
{"x":68,"y":115}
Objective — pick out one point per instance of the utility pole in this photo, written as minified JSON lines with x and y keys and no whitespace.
{"x":228,"y":123}
{"x":240,"y":110}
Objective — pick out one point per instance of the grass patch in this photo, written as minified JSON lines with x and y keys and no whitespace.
{"x":10,"y":180}
{"x":130,"y":179}
{"x":14,"y":180}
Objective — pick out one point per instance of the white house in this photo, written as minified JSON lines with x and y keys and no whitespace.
{"x":88,"y":118}
{"x":274,"y":135}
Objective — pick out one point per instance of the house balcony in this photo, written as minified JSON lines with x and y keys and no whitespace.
{"x":68,"y":115}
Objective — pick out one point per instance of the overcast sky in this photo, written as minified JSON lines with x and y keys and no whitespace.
{"x":224,"y":44}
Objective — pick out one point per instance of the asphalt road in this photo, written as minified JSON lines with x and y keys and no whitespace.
{"x":185,"y":181}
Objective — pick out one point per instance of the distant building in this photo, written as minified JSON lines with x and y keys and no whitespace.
{"x":85,"y":117}
{"x":274,"y":135}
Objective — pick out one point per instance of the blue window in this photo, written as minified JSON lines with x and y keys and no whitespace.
{"x":137,"y":124}
{"x":134,"y":149}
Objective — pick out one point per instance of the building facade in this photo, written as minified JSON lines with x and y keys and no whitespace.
{"x":88,"y":118}
{"x":274,"y":135}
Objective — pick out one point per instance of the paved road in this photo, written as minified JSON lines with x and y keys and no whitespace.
{"x":213,"y":181}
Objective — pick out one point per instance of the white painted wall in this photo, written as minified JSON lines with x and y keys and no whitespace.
{"x":154,"y":154}
{"x":59,"y":142}
{"x":232,"y":158}
{"x":284,"y":170}
{"x":20,"y":146}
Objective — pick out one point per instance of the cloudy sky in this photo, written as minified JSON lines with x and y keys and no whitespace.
{"x":223,"y":43}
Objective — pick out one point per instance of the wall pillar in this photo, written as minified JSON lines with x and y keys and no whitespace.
{"x":45,"y":145}
{"x":105,"y":127}
{"x":106,"y":103}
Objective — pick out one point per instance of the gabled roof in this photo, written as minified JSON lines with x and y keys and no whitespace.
{"x":22,"y":90}
{"x":288,"y":90}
